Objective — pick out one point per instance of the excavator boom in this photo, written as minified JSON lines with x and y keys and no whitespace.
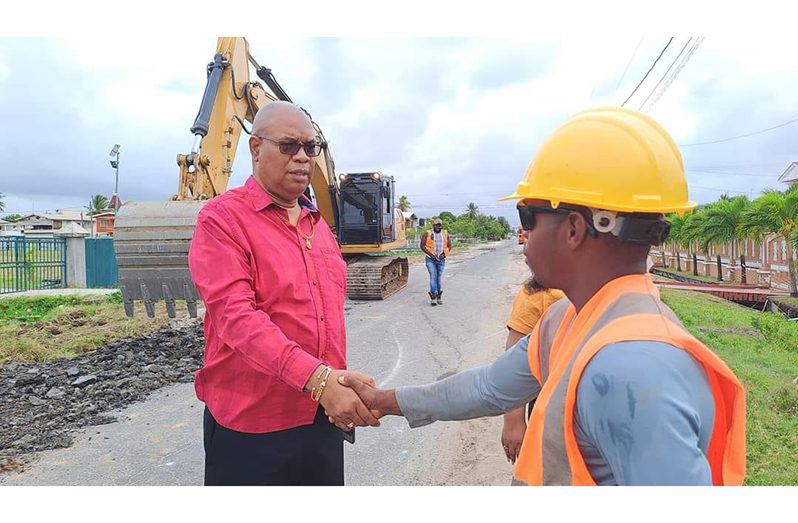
{"x":152,"y":239}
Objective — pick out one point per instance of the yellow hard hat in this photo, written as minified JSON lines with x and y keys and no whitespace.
{"x":609,"y":158}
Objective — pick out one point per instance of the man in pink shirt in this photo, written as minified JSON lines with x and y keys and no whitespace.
{"x":273,"y":282}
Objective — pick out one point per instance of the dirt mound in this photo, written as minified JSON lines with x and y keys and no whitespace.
{"x":42,"y":404}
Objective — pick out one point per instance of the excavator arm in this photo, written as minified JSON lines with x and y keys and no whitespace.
{"x":230,"y":99}
{"x":152,"y":239}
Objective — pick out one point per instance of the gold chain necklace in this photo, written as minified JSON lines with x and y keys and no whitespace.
{"x":308,"y":244}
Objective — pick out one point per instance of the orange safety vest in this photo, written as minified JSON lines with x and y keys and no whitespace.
{"x":429,"y":242}
{"x":563,"y":343}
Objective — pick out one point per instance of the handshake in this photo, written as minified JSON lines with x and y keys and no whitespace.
{"x":351,"y":399}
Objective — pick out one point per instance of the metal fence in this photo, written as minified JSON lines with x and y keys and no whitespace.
{"x":101,"y":268}
{"x":32,"y":263}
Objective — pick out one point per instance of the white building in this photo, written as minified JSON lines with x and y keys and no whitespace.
{"x":45,"y":224}
{"x":10,"y":229}
{"x":790,"y":176}
{"x":410,"y":220}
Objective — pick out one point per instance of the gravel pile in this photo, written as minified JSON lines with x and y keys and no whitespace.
{"x":42,"y":404}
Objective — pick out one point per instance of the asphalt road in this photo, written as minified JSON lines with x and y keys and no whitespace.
{"x":399,"y":341}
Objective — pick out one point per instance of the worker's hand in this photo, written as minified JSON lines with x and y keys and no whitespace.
{"x":355,"y":376}
{"x":380,"y":401}
{"x":513,"y":433}
{"x":343,"y":406}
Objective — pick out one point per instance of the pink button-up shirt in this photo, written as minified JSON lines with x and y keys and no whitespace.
{"x":274,"y":310}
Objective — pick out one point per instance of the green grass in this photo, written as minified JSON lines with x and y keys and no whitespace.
{"x":28,"y":310}
{"x":37,"y":330}
{"x":762,"y":350}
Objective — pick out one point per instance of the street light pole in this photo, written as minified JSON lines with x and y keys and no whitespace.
{"x":115,"y":165}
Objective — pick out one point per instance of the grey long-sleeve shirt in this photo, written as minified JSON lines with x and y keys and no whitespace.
{"x":644,"y":410}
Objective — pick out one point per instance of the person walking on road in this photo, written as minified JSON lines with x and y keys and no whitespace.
{"x":273,"y":282}
{"x":530,"y":303}
{"x":625,"y":395}
{"x":436,"y":245}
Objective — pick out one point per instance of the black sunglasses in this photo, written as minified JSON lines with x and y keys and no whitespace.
{"x":290,"y":148}
{"x":527,"y":216}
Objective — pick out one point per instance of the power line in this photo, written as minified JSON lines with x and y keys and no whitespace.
{"x":415,"y":195}
{"x":649,"y":71}
{"x":666,"y":73}
{"x":727,"y":173}
{"x":676,"y":72}
{"x":53,"y":209}
{"x":716,"y":189}
{"x":741,"y":135}
{"x":739,"y":166}
{"x":630,"y":63}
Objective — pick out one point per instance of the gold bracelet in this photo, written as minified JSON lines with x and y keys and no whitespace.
{"x":326,"y":374}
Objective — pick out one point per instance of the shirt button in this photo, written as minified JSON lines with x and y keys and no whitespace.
{"x":322,"y":318}
{"x":314,"y":282}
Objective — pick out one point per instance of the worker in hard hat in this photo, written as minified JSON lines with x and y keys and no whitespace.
{"x":436,"y":244}
{"x":624,"y":394}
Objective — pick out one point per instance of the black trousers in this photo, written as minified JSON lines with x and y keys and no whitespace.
{"x":302,"y":456}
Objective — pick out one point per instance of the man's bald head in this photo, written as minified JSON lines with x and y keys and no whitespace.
{"x":275,"y":112}
{"x":284,"y":176}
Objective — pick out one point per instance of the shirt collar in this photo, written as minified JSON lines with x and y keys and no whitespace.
{"x":260,"y":199}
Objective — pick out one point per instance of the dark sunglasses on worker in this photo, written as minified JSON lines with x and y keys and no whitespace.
{"x":290,"y":148}
{"x":633,"y":230}
{"x":527,"y":215}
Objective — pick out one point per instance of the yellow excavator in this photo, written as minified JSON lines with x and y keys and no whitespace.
{"x":152,"y":239}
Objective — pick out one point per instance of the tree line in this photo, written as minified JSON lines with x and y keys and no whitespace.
{"x":97,"y":204}
{"x":732,"y":221}
{"x":470,"y":224}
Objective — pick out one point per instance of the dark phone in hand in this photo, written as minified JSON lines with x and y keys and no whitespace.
{"x":349,"y":435}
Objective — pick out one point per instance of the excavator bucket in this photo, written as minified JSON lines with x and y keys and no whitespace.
{"x":151,"y":240}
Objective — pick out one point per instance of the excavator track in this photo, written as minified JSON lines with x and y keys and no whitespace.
{"x":375,"y":277}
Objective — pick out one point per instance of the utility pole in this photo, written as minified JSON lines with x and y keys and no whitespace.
{"x":115,"y":165}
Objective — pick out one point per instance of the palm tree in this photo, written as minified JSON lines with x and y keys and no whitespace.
{"x":724,"y":224}
{"x":692,"y":234}
{"x":2,"y":205}
{"x":472,"y":211}
{"x":404,"y":203}
{"x":677,"y":236}
{"x":776,"y":212}
{"x":97,"y":204}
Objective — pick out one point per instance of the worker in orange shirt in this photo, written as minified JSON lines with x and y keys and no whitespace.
{"x":530,"y":303}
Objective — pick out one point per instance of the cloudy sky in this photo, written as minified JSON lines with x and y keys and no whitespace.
{"x":454,"y":120}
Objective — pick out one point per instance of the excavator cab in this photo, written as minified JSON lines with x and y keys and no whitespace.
{"x":369,"y":225}
{"x":367,"y":203}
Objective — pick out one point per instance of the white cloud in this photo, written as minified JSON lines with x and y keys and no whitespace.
{"x":456,"y":116}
